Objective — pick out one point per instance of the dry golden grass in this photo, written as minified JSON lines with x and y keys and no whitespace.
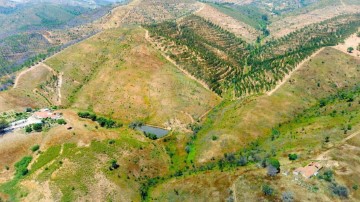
{"x":121,"y":76}
{"x":240,"y":29}
{"x":26,"y":93}
{"x":285,"y":25}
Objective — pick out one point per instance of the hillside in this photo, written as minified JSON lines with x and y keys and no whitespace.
{"x":118,"y":74}
{"x":180,"y":100}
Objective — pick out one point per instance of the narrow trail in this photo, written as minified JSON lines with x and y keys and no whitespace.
{"x":323,"y":155}
{"x":288,"y":76}
{"x":147,"y":37}
{"x":234,"y":192}
{"x":58,"y":87}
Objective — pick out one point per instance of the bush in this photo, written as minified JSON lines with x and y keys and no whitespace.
{"x":28,"y":129}
{"x":214,"y":138}
{"x":35,"y":148}
{"x":287,"y":197}
{"x":340,"y":190}
{"x":111,"y":141}
{"x":274,"y":162}
{"x":114,"y":165}
{"x":135,"y":124}
{"x":150,"y":135}
{"x":272,"y":171}
{"x":267,"y":190}
{"x":21,"y":166}
{"x":87,"y":115}
{"x":327,"y":175}
{"x":242,"y":161}
{"x":61,"y":122}
{"x":293,"y":157}
{"x":37,"y":127}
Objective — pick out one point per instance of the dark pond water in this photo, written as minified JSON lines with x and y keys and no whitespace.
{"x":159,"y":132}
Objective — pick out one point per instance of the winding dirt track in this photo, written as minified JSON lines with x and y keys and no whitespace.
{"x":323,"y":155}
{"x":287,"y":77}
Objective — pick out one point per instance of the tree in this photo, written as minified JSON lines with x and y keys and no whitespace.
{"x":274,"y":162}
{"x":38,"y":127}
{"x":340,"y":190}
{"x":61,"y":122}
{"x":3,"y":124}
{"x":267,"y":190}
{"x":293,"y":157}
{"x":114,"y":165}
{"x":350,"y":49}
{"x":287,"y":197}
{"x":35,"y":148}
{"x":28,"y":129}
{"x":272,"y":171}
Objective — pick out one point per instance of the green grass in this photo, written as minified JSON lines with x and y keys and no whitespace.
{"x":46,"y":157}
{"x":11,"y":187}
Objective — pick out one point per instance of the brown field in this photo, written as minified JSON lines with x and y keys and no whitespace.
{"x":228,"y":23}
{"x":119,"y":74}
{"x":352,"y":41}
{"x":27,"y":91}
{"x":285,"y":25}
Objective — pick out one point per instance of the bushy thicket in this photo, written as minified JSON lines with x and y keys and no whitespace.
{"x":103,"y":122}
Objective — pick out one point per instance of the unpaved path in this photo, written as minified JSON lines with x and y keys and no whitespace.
{"x":287,"y":77}
{"x":147,"y":37}
{"x":323,"y":156}
{"x":58,"y":87}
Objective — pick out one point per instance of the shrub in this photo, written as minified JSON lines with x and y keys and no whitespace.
{"x":340,"y":190}
{"x":327,"y":175}
{"x":293,"y":157}
{"x":28,"y":129}
{"x":35,"y":148}
{"x":87,"y":115}
{"x":37,"y":127}
{"x":267,"y":190}
{"x":151,"y":136}
{"x":107,"y":123}
{"x":214,"y":138}
{"x":242,"y":161}
{"x":61,"y":122}
{"x":272,"y":171}
{"x":274,"y":162}
{"x":111,"y":141}
{"x":355,"y":187}
{"x":135,"y":124}
{"x":114,"y":165}
{"x":287,"y":197}
{"x":21,"y":166}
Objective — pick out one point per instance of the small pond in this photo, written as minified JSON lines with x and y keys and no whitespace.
{"x":159,"y":132}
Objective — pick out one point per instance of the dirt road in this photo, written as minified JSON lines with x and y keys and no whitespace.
{"x":323,"y":156}
{"x":287,"y":77}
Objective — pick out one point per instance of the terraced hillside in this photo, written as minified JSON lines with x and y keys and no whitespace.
{"x":118,"y":74}
{"x":233,"y":68}
{"x":314,"y":115}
